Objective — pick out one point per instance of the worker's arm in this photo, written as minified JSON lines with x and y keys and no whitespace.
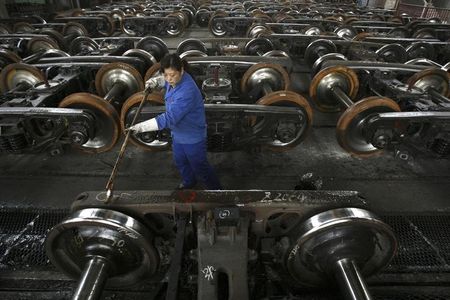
{"x":149,"y":125}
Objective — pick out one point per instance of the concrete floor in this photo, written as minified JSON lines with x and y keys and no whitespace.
{"x":388,"y":184}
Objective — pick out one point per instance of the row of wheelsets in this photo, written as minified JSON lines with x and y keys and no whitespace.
{"x":400,"y":74}
{"x":248,"y":93}
{"x":98,"y":94}
{"x":133,"y":19}
{"x":227,"y":18}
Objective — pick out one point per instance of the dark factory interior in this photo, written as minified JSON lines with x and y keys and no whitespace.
{"x":322,"y":173}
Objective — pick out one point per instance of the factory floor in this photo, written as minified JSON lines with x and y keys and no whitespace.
{"x":387,"y":183}
{"x":420,"y":185}
{"x":33,"y":188}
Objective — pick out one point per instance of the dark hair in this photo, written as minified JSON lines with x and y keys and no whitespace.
{"x":173,"y":61}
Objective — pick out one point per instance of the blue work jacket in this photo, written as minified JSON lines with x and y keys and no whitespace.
{"x":185,"y":112}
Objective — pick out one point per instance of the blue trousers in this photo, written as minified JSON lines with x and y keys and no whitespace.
{"x":191,"y":161}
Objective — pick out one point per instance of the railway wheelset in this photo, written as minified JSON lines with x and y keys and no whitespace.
{"x":113,"y":245}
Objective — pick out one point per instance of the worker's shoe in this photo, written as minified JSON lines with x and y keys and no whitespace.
{"x":182,"y":186}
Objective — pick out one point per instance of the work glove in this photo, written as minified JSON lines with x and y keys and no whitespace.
{"x":154,"y":82}
{"x":149,"y":125}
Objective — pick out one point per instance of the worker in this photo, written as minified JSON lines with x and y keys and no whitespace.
{"x":185,"y":117}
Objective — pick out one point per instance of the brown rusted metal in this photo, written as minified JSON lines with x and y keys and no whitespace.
{"x":117,"y":65}
{"x":349,"y":74}
{"x":152,"y":71}
{"x":23,"y":27}
{"x":99,"y":106}
{"x":353,"y":112}
{"x":288,"y":98}
{"x":41,"y":43}
{"x":441,"y":74}
{"x":68,"y":28}
{"x":8,"y":73}
{"x":153,"y":99}
{"x":252,"y":69}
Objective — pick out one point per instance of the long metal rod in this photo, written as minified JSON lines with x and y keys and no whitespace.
{"x":110,"y":183}
{"x":375,"y":65}
{"x":21,"y":87}
{"x":438,"y":96}
{"x":350,"y":280}
{"x":341,"y":96}
{"x":92,"y":280}
{"x":413,"y":116}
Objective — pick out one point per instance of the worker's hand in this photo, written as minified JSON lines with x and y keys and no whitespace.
{"x":149,"y":125}
{"x":155,"y":82}
{"x":132,"y":129}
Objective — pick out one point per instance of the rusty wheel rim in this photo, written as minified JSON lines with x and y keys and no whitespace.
{"x":16,"y":73}
{"x":23,"y":27}
{"x":55,"y":35}
{"x":77,"y":13}
{"x":362,"y":36}
{"x":75,"y":27}
{"x":111,"y":27}
{"x":44,"y":42}
{"x":319,"y":88}
{"x":118,"y":72}
{"x":153,"y":99}
{"x":431,"y":78}
{"x":349,"y":127}
{"x":262,"y":16}
{"x":8,"y":57}
{"x":350,"y":20}
{"x":284,"y":76}
{"x":288,"y":98}
{"x":107,"y":129}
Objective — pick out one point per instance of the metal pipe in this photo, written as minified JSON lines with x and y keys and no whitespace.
{"x":115,"y":92}
{"x":92,"y":280}
{"x":350,"y":280}
{"x":341,"y":96}
{"x":267,"y":89}
{"x":91,"y":58}
{"x":20,"y":87}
